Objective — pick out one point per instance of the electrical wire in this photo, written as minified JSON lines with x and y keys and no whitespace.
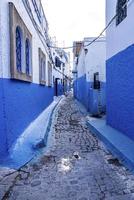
{"x":63,"y":48}
{"x":101,"y":33}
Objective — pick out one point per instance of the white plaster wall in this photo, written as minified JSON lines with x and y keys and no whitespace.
{"x":81,"y":70}
{"x":5,"y":41}
{"x":56,"y":74}
{"x":121,"y":36}
{"x":95,"y":59}
{"x":67,"y":65}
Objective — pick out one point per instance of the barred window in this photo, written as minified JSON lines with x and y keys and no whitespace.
{"x":18,"y":48}
{"x":121,"y":11}
{"x":27,"y":51}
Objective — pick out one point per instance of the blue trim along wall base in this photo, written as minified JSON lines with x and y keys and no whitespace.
{"x":21,"y":103}
{"x":89,"y":97}
{"x":120,"y":91}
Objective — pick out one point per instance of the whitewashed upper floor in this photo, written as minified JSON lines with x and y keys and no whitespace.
{"x":120,"y":34}
{"x":92,"y":59}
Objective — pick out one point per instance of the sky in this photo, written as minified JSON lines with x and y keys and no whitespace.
{"x":72,"y":20}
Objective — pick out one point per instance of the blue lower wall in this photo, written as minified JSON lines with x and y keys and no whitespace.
{"x":3,"y":136}
{"x":84,"y":92}
{"x":21,"y":103}
{"x":120,"y":91}
{"x":81,"y":90}
{"x":60,"y":89}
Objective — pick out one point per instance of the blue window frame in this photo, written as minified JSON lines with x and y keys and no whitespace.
{"x":18,"y":49}
{"x":27,"y":52}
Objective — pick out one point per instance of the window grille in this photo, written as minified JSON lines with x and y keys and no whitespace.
{"x":18,"y":48}
{"x":121,"y":11}
{"x":27,"y":46}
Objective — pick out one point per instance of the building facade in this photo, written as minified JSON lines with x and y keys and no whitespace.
{"x":89,"y":70}
{"x":26,"y":68}
{"x":120,"y":62}
{"x":61,"y":75}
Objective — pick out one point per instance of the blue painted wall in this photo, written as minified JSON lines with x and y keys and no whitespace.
{"x":3,"y":136}
{"x":75,"y":89}
{"x":21,"y":103}
{"x":120,"y":91}
{"x":60,"y":89}
{"x":81,"y":91}
{"x":84,"y":92}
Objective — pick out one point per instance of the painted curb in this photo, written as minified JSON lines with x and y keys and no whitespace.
{"x":116,"y":152}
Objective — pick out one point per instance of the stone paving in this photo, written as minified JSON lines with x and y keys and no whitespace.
{"x":76,"y":167}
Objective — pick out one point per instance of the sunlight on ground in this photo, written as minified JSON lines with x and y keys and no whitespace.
{"x":65,"y":165}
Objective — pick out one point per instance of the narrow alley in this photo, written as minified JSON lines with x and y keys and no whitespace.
{"x":76,"y":167}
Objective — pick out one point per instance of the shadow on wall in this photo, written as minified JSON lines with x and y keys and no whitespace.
{"x":21,"y":103}
{"x":93,"y":100}
{"x":120,"y":91}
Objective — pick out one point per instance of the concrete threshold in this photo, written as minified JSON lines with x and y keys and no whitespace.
{"x":121,"y":146}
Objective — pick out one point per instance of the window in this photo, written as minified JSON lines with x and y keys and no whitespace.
{"x":121,"y":11}
{"x":18,"y":48}
{"x":27,"y":56}
{"x":57,"y":62}
{"x":42,"y":67}
{"x":96,"y":81}
{"x":49,"y":74}
{"x":37,"y":8}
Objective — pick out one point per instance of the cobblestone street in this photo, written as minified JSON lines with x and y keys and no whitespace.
{"x":76,"y":167}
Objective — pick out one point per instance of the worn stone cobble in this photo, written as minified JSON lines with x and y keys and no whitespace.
{"x":76,"y":167}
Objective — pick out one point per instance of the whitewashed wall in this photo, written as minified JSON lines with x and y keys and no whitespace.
{"x":68,"y":66}
{"x":81,"y":70}
{"x":121,"y":36}
{"x":95,"y":59}
{"x":5,"y":41}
